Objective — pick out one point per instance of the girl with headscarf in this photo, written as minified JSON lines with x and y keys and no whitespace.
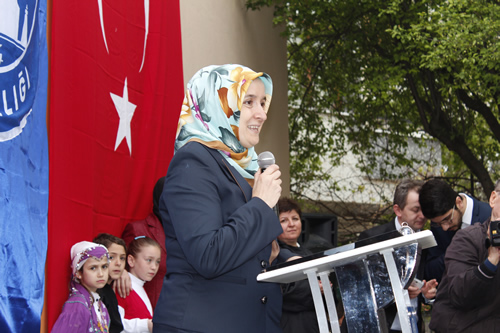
{"x":220,"y":232}
{"x":84,"y":311}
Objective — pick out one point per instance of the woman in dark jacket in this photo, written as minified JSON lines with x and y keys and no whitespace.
{"x":299,"y":315}
{"x":220,"y":232}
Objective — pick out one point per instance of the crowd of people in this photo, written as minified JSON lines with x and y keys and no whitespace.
{"x":458,"y":274}
{"x":191,"y":265}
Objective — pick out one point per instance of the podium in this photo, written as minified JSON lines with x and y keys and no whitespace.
{"x":369,"y":278}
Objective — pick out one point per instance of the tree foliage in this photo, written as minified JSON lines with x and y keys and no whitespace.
{"x":366,"y":76}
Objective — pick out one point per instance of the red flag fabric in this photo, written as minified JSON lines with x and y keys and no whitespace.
{"x":115,"y":96}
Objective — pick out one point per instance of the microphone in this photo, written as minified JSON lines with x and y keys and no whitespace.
{"x":265,"y":160}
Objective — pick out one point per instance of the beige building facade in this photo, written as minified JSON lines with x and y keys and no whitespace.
{"x":216,"y":32}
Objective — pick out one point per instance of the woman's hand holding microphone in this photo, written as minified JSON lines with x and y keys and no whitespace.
{"x":267,"y":185}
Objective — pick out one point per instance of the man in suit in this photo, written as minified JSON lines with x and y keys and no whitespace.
{"x":448,"y":211}
{"x":406,"y":206}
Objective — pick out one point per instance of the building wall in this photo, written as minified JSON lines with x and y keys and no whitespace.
{"x":217,"y":32}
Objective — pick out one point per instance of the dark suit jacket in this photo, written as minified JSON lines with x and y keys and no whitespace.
{"x":299,"y":314}
{"x":391,"y":310}
{"x":378,"y":230}
{"x":434,"y":267}
{"x":218,"y":240}
{"x":152,"y":228}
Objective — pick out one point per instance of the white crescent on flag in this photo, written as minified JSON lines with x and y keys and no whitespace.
{"x":124,"y":108}
{"x":146,"y":25}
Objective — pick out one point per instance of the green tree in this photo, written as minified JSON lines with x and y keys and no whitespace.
{"x":368,"y":75}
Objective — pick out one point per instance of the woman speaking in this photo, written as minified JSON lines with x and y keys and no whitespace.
{"x":216,"y":208}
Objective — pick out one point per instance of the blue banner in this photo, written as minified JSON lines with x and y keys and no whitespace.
{"x":23,"y":163}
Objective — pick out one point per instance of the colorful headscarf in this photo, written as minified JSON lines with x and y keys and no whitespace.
{"x":210,"y":113}
{"x":82,"y":251}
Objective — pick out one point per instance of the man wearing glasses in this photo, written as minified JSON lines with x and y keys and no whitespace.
{"x":448,"y":211}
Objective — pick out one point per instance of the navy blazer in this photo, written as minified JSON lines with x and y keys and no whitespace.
{"x":434,"y":268}
{"x":218,"y":240}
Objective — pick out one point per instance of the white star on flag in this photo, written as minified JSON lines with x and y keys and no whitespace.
{"x":125,"y":111}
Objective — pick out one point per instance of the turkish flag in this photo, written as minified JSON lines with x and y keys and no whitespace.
{"x":115,"y":96}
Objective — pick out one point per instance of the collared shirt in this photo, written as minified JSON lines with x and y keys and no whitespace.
{"x":398,"y":224}
{"x":97,"y":309}
{"x":467,"y":217}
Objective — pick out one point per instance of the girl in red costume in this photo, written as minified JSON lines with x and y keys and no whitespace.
{"x":143,"y":260}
